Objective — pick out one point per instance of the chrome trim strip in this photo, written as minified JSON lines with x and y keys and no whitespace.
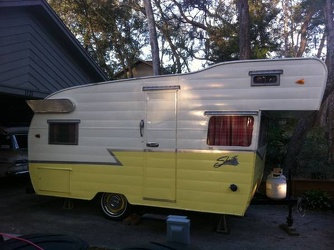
{"x":63,"y":121}
{"x":226,"y":112}
{"x":159,"y":150}
{"x":160,"y":200}
{"x":77,"y":163}
{"x":157,"y":88}
{"x":215,"y":150}
{"x":56,"y":168}
{"x":266,"y":72}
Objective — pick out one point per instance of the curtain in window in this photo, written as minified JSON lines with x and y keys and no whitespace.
{"x":230,"y":131}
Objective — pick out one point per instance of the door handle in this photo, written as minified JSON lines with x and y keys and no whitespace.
{"x":152,"y":144}
{"x":141,"y":128}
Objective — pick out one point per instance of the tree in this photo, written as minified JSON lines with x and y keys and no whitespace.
{"x":328,"y":8}
{"x":305,"y":123}
{"x":244,"y":37}
{"x":153,"y":37}
{"x":303,"y":23}
{"x":217,"y":30}
{"x":264,"y":29}
{"x":115,"y":32}
{"x":111,"y":32}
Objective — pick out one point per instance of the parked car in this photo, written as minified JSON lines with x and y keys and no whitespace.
{"x":13,"y":151}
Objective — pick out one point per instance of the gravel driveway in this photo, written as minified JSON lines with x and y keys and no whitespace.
{"x":23,"y":213}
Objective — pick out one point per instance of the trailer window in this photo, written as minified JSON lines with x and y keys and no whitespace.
{"x":63,"y":133}
{"x":230,"y":131}
{"x":265,"y":77}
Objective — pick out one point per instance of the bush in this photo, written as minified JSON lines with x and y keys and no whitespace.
{"x":313,"y":161}
{"x":277,"y":141}
{"x":317,"y":200}
{"x":313,"y":158}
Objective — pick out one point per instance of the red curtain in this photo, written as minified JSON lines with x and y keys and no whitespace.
{"x":230,"y":131}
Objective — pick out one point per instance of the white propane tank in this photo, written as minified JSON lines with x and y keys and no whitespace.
{"x":276,"y":185}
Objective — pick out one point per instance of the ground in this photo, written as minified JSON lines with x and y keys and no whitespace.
{"x":23,"y":213}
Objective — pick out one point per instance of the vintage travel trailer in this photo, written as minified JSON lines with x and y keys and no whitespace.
{"x":193,"y":141}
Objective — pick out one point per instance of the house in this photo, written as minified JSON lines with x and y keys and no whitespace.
{"x":139,"y":68}
{"x":38,"y":56}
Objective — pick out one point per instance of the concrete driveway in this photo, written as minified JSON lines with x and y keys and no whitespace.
{"x":23,"y":213}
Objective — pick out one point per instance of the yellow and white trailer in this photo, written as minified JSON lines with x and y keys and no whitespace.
{"x":191,"y":141}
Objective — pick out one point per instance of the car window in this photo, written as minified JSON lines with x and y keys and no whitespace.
{"x":21,"y":140}
{"x":5,"y":142}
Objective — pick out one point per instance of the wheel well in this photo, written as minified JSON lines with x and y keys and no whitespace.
{"x":99,"y":194}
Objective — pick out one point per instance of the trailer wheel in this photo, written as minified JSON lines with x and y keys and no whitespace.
{"x":114,"y":206}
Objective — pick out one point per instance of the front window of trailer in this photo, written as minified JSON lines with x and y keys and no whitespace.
{"x":63,"y":132}
{"x":230,"y":131}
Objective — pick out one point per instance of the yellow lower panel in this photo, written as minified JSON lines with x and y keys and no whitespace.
{"x":159,"y":176}
{"x":191,"y":181}
{"x":85,"y":181}
{"x":60,"y":181}
{"x":204,"y":180}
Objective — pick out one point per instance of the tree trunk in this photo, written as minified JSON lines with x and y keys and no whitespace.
{"x":244,"y":33}
{"x":322,"y":45}
{"x":303,"y":33}
{"x":296,"y":142}
{"x":285,"y":4}
{"x":330,"y":45}
{"x":153,"y":37}
{"x":330,"y":66}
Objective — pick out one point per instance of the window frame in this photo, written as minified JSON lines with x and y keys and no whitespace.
{"x":265,"y":75}
{"x":231,"y":129}
{"x":55,"y":137}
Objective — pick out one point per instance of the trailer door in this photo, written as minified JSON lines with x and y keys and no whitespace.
{"x":160,"y":143}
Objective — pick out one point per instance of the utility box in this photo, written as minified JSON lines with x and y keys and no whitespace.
{"x":178,"y":229}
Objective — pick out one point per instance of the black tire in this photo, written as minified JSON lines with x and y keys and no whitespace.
{"x":114,"y":206}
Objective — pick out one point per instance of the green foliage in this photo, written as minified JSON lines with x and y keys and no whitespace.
{"x":317,"y":200}
{"x":115,"y":33}
{"x":316,"y":25}
{"x":313,"y":159}
{"x":223,"y":41}
{"x":110,"y":31}
{"x":223,"y":44}
{"x":263,"y":38}
{"x":277,"y":141}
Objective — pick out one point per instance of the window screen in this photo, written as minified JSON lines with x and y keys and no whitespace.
{"x":230,"y":131}
{"x":63,"y":132}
